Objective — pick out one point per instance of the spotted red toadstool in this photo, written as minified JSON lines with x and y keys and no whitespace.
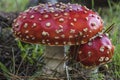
{"x":57,"y":24}
{"x":97,"y":51}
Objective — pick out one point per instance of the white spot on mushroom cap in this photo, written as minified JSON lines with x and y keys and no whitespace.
{"x":70,"y":6}
{"x":61,"y":20}
{"x":52,"y":11}
{"x":51,"y":8}
{"x":49,"y":4}
{"x":90,"y":31}
{"x":56,"y":43}
{"x":90,"y":43}
{"x":87,"y":35}
{"x":63,"y":36}
{"x":70,"y":9}
{"x":19,"y":16}
{"x":57,"y":37}
{"x":85,"y":12}
{"x":64,"y":42}
{"x":32,"y":16}
{"x":26,"y":31}
{"x":45,"y":33}
{"x":56,"y":14}
{"x":43,"y":41}
{"x":43,"y":11}
{"x":76,"y":35}
{"x":108,"y":52}
{"x":109,"y":47}
{"x":34,"y":25}
{"x":16,"y":25}
{"x":27,"y":37}
{"x":77,"y":43}
{"x":14,"y":20}
{"x":48,"y":24}
{"x":36,"y":8}
{"x":85,"y":29}
{"x":107,"y":59}
{"x":89,"y":54}
{"x":72,"y":24}
{"x":70,"y":36}
{"x":49,"y":43}
{"x":102,"y":48}
{"x":24,"y":17}
{"x":84,"y":36}
{"x":60,"y":26}
{"x":40,"y":19}
{"x":72,"y":30}
{"x":33,"y":38}
{"x":74,"y":19}
{"x":80,"y":33}
{"x":101,"y":59}
{"x":25,"y":25}
{"x":47,"y":40}
{"x":57,"y":5}
{"x":27,"y":10}
{"x":58,"y":31}
{"x":100,"y":36}
{"x":65,"y":14}
{"x":46,"y":16}
{"x":86,"y":18}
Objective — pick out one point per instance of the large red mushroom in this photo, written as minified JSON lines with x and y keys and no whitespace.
{"x":57,"y":24}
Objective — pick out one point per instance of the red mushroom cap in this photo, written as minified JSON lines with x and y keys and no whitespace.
{"x":97,"y":51}
{"x":57,"y":24}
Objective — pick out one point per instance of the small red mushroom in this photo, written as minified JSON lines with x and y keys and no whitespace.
{"x":57,"y":24}
{"x":97,"y":51}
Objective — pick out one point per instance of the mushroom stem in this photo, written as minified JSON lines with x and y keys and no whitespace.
{"x":54,"y":58}
{"x":65,"y":63}
{"x":92,"y":74}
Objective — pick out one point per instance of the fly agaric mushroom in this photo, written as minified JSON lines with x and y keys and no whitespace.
{"x":96,"y":52}
{"x":99,"y":50}
{"x":57,"y":24}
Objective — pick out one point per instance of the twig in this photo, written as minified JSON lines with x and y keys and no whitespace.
{"x":21,"y":63}
{"x":13,"y":60}
{"x":109,"y":28}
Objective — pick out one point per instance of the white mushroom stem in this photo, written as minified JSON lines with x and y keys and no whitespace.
{"x":54,"y":58}
{"x":65,"y":63}
{"x":91,"y":74}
